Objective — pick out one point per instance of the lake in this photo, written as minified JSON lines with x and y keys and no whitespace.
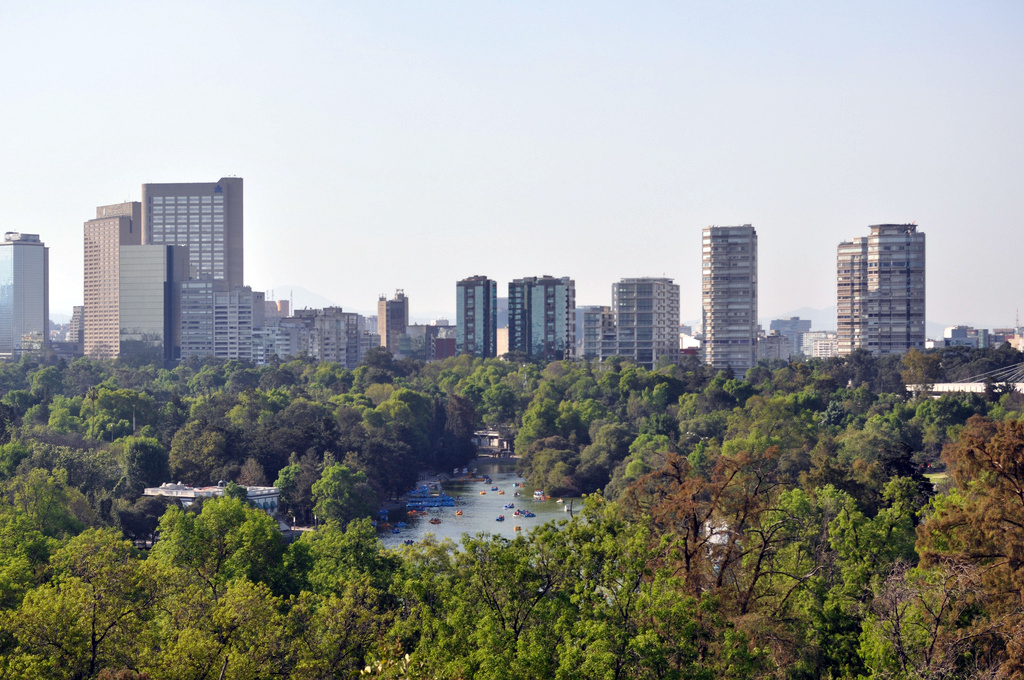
{"x":479,"y":511}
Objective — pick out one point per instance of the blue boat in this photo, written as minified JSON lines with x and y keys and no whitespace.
{"x":528,"y":514}
{"x":409,"y":541}
{"x":494,"y":488}
{"x":396,"y":530}
{"x":510,"y":506}
{"x":499,"y":518}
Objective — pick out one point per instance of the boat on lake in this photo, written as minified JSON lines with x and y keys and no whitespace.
{"x":499,"y":518}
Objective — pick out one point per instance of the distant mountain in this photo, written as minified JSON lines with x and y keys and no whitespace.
{"x":300,"y":297}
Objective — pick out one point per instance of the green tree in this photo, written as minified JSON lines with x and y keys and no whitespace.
{"x":145,"y":463}
{"x":227,"y":540}
{"x":90,"y":615}
{"x":341,"y":495}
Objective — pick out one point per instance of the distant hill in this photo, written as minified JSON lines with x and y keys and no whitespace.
{"x":301,"y":298}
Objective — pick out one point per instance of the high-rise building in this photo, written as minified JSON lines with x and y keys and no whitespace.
{"x":24,"y":294}
{"x":646,"y":320}
{"x":76,"y":328}
{"x":542,"y":317}
{"x":392,"y":319}
{"x":335,"y":336}
{"x":476,"y":302}
{"x":793,"y":329}
{"x":729,"y":296}
{"x":880,"y":294}
{"x":219,"y":323}
{"x":149,"y":305}
{"x":819,"y":344}
{"x":115,"y":226}
{"x":206,"y":217}
{"x":598,"y":334}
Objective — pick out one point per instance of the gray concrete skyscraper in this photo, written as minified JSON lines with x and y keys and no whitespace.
{"x":206,"y":217}
{"x":729,"y":296}
{"x":880,"y":294}
{"x":24,"y":294}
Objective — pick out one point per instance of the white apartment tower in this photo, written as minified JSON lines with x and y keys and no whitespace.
{"x":646,"y":320}
{"x":729,"y":296}
{"x":880,"y":294}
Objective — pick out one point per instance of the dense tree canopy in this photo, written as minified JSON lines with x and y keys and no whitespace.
{"x":811,"y":520}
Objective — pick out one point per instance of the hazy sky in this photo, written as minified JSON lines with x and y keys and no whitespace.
{"x":407,"y":145}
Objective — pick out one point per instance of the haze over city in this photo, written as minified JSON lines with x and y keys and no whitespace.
{"x":401,"y":146}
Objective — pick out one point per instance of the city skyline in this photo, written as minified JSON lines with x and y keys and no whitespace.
{"x":548,"y":136}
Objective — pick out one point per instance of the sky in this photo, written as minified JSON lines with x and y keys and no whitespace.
{"x":389,"y":145}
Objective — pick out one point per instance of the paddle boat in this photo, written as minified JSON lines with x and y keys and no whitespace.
{"x":435,"y":520}
{"x":559,"y":501}
{"x":509,"y":506}
{"x":483,"y":493}
{"x":499,"y":518}
{"x":517,"y":528}
{"x":396,"y":530}
{"x":529,"y":514}
{"x":501,"y":493}
{"x":494,"y":488}
{"x":408,"y":541}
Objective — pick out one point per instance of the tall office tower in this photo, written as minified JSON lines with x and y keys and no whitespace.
{"x":880,"y":301}
{"x":729,"y":263}
{"x":206,"y":217}
{"x":115,"y":226}
{"x":219,"y":323}
{"x":598,"y":325}
{"x":542,"y":317}
{"x":392,"y":319}
{"x":24,"y":294}
{"x":646,"y":320}
{"x":476,"y":301}
{"x":150,"y":302}
{"x":793,"y":329}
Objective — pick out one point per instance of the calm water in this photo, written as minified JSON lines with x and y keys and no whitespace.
{"x":479,"y":511}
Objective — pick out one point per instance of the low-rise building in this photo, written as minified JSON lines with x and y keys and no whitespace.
{"x":265,"y":498}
